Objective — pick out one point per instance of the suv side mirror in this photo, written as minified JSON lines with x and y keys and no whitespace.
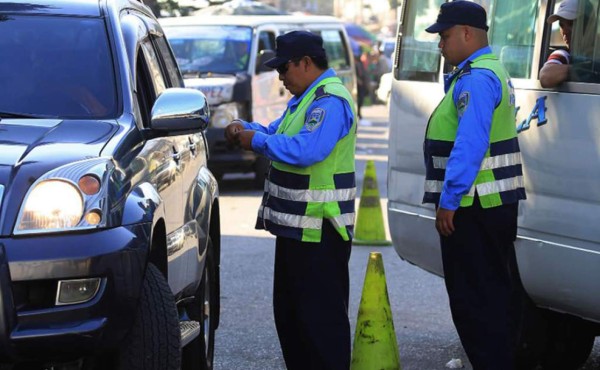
{"x":262,"y":57}
{"x":178,"y":110}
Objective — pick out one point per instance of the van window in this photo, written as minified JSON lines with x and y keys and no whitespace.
{"x":585,"y":44}
{"x":419,"y":57}
{"x":512,"y":35}
{"x":266,"y":41}
{"x":334,"y":46}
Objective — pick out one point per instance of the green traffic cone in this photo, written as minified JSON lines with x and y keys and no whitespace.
{"x":369,"y":228}
{"x":375,"y":346}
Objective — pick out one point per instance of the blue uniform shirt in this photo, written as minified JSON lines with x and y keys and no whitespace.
{"x":307,"y":147}
{"x":484,"y":92}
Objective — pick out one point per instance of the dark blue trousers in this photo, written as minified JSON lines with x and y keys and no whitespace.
{"x":482,"y":283}
{"x":310,"y":301}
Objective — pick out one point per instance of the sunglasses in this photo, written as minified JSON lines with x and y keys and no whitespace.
{"x":282,"y":69}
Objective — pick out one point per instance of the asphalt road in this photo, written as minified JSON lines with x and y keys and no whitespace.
{"x":247,"y":338}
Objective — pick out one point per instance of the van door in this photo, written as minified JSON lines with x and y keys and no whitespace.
{"x":269,"y":96}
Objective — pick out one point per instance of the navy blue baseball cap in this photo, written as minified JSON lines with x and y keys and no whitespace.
{"x":462,"y":12}
{"x":296,"y":44}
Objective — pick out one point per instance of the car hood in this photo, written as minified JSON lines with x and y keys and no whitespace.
{"x":217,"y":89}
{"x":35,"y":146}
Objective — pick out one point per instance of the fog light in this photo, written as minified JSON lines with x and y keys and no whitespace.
{"x":77,"y":290}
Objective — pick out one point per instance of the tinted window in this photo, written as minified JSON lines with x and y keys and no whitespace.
{"x":585,"y":43}
{"x":512,"y":35}
{"x":56,"y":66}
{"x":170,"y":63}
{"x":335,"y":49}
{"x":210,"y":49}
{"x":419,"y":56}
{"x":153,"y":65}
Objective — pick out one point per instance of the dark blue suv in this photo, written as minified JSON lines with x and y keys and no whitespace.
{"x":109,"y":217}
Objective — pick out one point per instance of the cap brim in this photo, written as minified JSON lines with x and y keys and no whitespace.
{"x":439,"y":27}
{"x":276,"y":62}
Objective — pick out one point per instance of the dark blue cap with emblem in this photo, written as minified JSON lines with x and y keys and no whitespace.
{"x":296,"y":44}
{"x":461,"y":12}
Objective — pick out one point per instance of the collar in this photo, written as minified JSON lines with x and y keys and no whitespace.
{"x":294,"y":101}
{"x":475,"y":55}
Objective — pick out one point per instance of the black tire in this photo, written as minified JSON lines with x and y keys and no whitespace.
{"x":153,"y":342}
{"x":261,"y":168}
{"x":199,"y":353}
{"x":569,"y":343}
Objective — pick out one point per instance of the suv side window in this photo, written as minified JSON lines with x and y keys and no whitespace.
{"x":144,"y":88}
{"x":153,"y":64}
{"x":170,"y":64}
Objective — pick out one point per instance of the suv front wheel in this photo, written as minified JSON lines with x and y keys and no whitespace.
{"x":154,"y":340}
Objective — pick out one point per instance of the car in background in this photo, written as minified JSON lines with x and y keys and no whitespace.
{"x":223,"y":57}
{"x":240,"y":7}
{"x":384,"y":91}
{"x":109,"y":226}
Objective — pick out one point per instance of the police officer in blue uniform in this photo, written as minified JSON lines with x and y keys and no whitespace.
{"x":474,"y":177}
{"x":308,"y":203}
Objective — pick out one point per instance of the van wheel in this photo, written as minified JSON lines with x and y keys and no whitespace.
{"x":261,"y":168}
{"x":569,"y":343}
{"x":551,"y":340}
{"x":199,"y":353}
{"x":153,"y":343}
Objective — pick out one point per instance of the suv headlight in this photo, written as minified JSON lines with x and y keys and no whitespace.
{"x":67,"y":198}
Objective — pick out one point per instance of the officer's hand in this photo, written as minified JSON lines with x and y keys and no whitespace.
{"x":244,"y":138}
{"x":444,"y":221}
{"x":231,"y":130}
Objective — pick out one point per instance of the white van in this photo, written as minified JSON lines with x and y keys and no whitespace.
{"x":558,"y":246}
{"x":223,"y":57}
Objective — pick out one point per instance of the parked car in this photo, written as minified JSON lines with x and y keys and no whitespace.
{"x":109,"y":226}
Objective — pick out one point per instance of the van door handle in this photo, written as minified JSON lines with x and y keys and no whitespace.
{"x":281,"y":91}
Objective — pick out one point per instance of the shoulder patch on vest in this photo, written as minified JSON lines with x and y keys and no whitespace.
{"x":320,"y":92}
{"x":463,"y":103}
{"x":314,"y":119}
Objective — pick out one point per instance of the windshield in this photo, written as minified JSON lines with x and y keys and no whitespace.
{"x":56,"y":67}
{"x":210,"y":49}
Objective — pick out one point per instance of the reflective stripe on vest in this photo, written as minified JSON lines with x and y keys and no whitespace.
{"x":307,"y":195}
{"x":303,"y":222}
{"x":483,"y":189}
{"x":489,"y":163}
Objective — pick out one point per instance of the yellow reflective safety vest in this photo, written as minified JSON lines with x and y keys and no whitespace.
{"x":298,"y":200}
{"x":500,"y":177}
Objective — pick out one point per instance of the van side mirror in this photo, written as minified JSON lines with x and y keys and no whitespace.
{"x":262,"y":57}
